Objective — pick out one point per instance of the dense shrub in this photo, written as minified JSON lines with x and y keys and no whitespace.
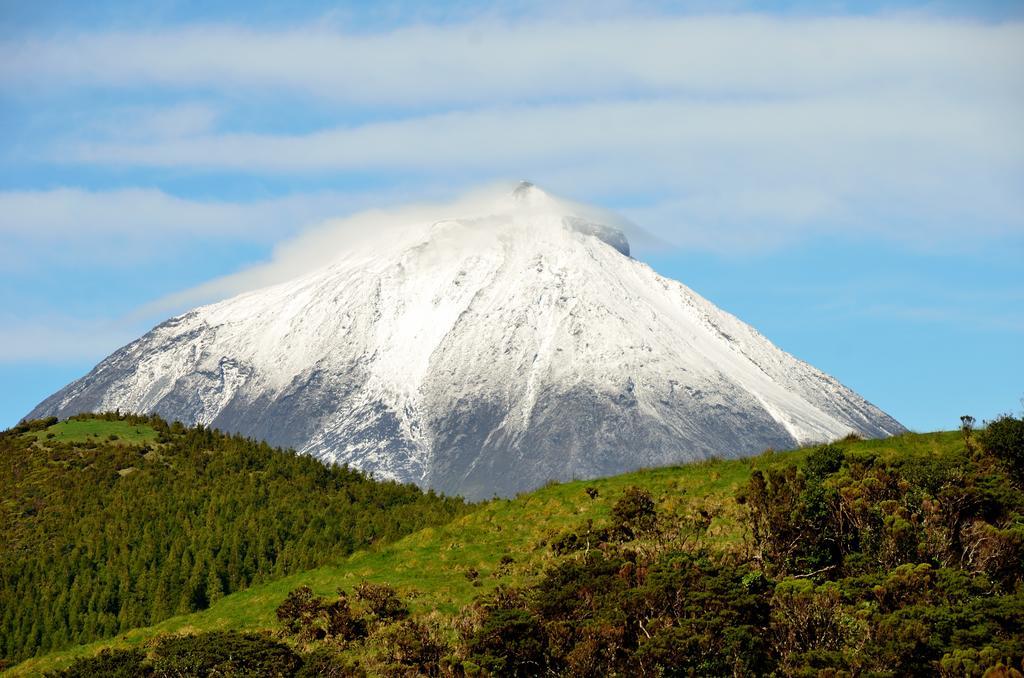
{"x":110,"y":664}
{"x":1004,"y":439}
{"x":382,"y":600}
{"x":410,"y":648}
{"x":634,"y":514}
{"x":217,"y":653}
{"x":224,"y":653}
{"x":824,"y":461}
{"x":510,"y":642}
{"x":299,"y":609}
{"x":328,"y":662}
{"x":309,"y":617}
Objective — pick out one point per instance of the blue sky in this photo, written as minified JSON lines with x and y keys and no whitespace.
{"x":847,"y":177}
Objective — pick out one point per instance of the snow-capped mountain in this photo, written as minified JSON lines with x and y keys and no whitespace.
{"x":482,"y":354}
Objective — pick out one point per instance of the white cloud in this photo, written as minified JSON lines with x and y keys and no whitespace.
{"x":72,"y":229}
{"x":150,"y":122}
{"x":493,"y":60}
{"x":946,"y":315}
{"x":58,"y":339}
{"x":146,"y":214}
{"x":924,"y":162}
{"x":72,"y":212}
{"x":73,"y":236}
{"x":666,"y":131}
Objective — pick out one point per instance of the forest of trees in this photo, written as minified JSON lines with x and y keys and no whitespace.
{"x":852,"y":565}
{"x":103,"y":535}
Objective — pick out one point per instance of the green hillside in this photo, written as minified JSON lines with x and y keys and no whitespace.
{"x":114,"y":522}
{"x":763,"y":526}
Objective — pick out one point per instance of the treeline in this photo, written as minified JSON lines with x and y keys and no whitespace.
{"x":853,"y":564}
{"x":102,"y":536}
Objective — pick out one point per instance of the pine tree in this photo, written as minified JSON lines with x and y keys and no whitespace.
{"x":214,"y":588}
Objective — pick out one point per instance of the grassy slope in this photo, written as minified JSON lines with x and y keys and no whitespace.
{"x":80,"y":431}
{"x":429,"y":566}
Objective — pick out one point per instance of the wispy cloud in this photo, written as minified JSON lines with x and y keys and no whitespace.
{"x":669,"y":132}
{"x":61,"y":339}
{"x":130,"y":227}
{"x":503,"y":61}
{"x":147,"y":122}
{"x":71,"y":212}
{"x":949,"y":315}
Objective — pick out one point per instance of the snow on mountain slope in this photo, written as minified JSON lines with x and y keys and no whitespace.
{"x":483,"y":354}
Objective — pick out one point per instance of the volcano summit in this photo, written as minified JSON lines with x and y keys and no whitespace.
{"x":481,"y":354}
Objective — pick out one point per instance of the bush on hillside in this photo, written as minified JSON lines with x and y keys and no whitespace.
{"x":824,"y":461}
{"x":634,"y":513}
{"x":410,"y":648}
{"x":328,"y":662}
{"x":382,"y":601}
{"x":224,"y":653}
{"x":110,"y":664}
{"x":310,"y":617}
{"x":1004,"y":439}
{"x":510,"y":642}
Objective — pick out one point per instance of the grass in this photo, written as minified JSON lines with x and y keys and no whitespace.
{"x":429,"y":567}
{"x":85,"y":430}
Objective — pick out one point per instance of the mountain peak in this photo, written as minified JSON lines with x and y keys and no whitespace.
{"x":529,"y":194}
{"x":524,"y":189}
{"x":481,"y":360}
